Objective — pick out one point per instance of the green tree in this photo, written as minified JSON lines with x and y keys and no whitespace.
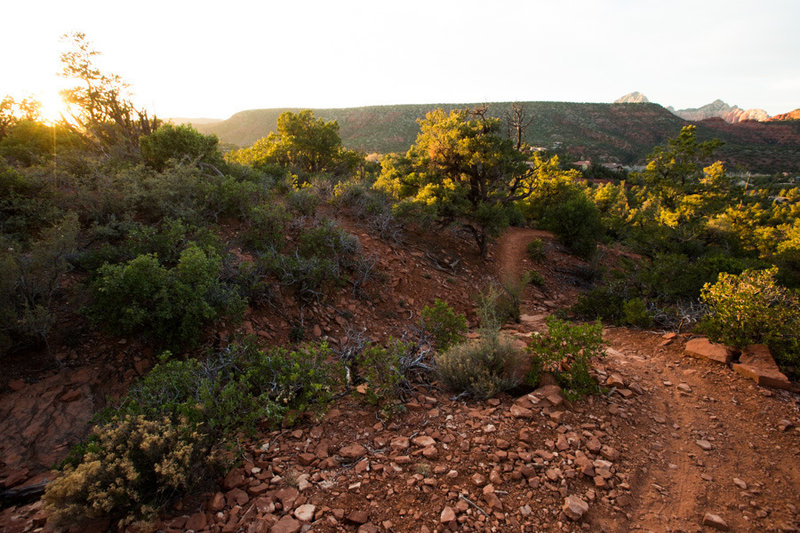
{"x":678,"y":168}
{"x":303,"y":144}
{"x":462,"y":169}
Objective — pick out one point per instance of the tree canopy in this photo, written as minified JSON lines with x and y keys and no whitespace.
{"x":303,"y":144}
{"x":462,"y":169}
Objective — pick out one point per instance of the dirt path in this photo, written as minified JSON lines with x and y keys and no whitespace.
{"x":703,"y":439}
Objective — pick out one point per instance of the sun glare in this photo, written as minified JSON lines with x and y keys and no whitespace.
{"x":52,"y":106}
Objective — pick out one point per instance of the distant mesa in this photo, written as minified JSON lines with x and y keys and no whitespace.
{"x":791,"y":115}
{"x":719,"y":109}
{"x":632,"y":98}
{"x":193,"y":121}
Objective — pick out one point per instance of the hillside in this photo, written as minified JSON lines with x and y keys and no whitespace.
{"x":718,"y":108}
{"x":623,"y":133}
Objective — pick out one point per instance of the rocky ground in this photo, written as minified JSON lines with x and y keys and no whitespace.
{"x":675,"y":443}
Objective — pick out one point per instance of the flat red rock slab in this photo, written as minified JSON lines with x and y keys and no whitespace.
{"x":756,"y":363}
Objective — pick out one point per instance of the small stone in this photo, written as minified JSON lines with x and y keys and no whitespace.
{"x":196,"y":522}
{"x":358,"y":517}
{"x":683,"y":387}
{"x":615,"y":380}
{"x":352,"y":451}
{"x":574,"y":507}
{"x":305,"y":513}
{"x":704,"y":444}
{"x":287,"y":524}
{"x":448,"y":515}
{"x":217,"y":502}
{"x":423,"y":441}
{"x":715,"y":521}
{"x":520,"y":412}
{"x":740,"y":483}
{"x":399,"y":443}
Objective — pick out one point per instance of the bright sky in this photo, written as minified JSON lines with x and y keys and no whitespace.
{"x":211,"y":59}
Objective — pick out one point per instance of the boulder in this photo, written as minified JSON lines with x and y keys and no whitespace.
{"x":756,"y":363}
{"x":705,"y":349}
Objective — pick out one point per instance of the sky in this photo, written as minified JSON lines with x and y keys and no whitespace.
{"x":213,"y":59}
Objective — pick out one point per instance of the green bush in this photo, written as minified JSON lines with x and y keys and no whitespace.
{"x":266,"y":227}
{"x":168,"y":304}
{"x":131,"y":467}
{"x":481,"y":368}
{"x":500,"y":303}
{"x":576,"y":221}
{"x":381,"y":368}
{"x":636,"y":314}
{"x":567,"y":351}
{"x":178,"y":143}
{"x":303,"y":201}
{"x":533,"y":277}
{"x":30,"y":282}
{"x":752,"y":308}
{"x":444,"y":325}
{"x":165,"y":437}
{"x":535,"y":249}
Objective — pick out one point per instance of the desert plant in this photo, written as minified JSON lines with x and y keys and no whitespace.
{"x":752,"y":308}
{"x":481,"y":368}
{"x":132,"y":465}
{"x":443,"y":324}
{"x":567,"y":351}
{"x":636,"y":313}
{"x":31,"y":280}
{"x":533,"y":277}
{"x":266,"y":226}
{"x":167,"y":304}
{"x":535,"y":249}
{"x":303,"y":201}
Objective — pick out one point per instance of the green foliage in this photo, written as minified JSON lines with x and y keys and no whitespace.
{"x":464,"y":170}
{"x":168,"y":304}
{"x":636,"y":314}
{"x":303,"y":143}
{"x":381,"y":368}
{"x":177,"y":143}
{"x":499,"y":303}
{"x":567,"y":351}
{"x":303,"y":201}
{"x":102,"y":114}
{"x":576,"y":222}
{"x":30,"y":281}
{"x":677,"y":169}
{"x":751,"y":308}
{"x":534,"y":278}
{"x":444,"y":325}
{"x":164,"y":439}
{"x":266,"y":227}
{"x":535,"y":250}
{"x":481,"y":368}
{"x":131,"y":467}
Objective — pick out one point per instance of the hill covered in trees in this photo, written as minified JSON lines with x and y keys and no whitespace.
{"x":621,"y":133}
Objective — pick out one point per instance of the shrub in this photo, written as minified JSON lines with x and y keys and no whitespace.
{"x":533,"y":277}
{"x":382,"y":371}
{"x":266,"y":227}
{"x":177,"y":143}
{"x":482,"y":368}
{"x":169,"y":305}
{"x":164,"y":438}
{"x":535,"y":250}
{"x":30,"y":282}
{"x":636,"y":314}
{"x":752,"y":308}
{"x":444,"y":325}
{"x":500,"y":303}
{"x":303,"y":201}
{"x":131,"y":467}
{"x":567,"y":350}
{"x":576,"y":222}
